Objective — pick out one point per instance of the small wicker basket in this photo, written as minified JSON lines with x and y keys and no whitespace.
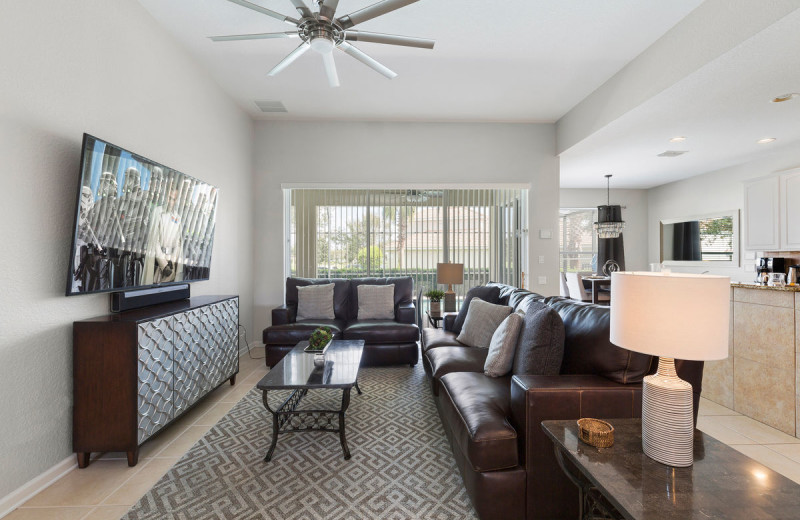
{"x":596,"y":432}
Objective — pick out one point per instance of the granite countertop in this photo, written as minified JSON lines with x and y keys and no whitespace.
{"x":753,"y":285}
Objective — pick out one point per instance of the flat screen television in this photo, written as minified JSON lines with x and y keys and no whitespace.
{"x":138,"y":223}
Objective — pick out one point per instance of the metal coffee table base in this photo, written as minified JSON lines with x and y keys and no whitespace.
{"x":288,"y":419}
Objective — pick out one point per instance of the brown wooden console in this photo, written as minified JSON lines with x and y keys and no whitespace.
{"x":137,"y":371}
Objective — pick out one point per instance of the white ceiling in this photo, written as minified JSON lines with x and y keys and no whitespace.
{"x":517,"y":60}
{"x":723,"y":108}
{"x":520,"y":61}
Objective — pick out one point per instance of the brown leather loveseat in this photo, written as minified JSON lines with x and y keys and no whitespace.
{"x":494,"y":424}
{"x":386,"y":342}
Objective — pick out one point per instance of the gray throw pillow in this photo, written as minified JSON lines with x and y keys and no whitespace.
{"x":503,"y":346}
{"x":483,"y":318}
{"x":540,"y":349}
{"x":315,"y":302}
{"x":487,"y":293}
{"x":376,"y":302}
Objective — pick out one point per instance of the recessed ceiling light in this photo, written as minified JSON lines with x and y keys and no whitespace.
{"x":766,"y":140}
{"x":678,"y":139}
{"x":785,"y":97}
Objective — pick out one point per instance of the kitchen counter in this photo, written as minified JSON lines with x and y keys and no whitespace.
{"x":753,"y":285}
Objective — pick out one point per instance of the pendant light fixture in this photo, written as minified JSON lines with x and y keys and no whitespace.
{"x":609,"y":218}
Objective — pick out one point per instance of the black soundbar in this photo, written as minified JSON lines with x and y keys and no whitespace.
{"x":127,"y":300}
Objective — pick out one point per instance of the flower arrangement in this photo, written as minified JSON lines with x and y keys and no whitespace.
{"x":320,"y":338}
{"x":435,"y":295}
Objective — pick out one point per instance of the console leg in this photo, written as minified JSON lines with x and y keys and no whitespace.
{"x":233,"y":379}
{"x":133,"y":457}
{"x":83,"y":458}
{"x":358,"y":389}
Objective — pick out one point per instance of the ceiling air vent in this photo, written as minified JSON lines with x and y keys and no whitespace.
{"x":673,"y":153}
{"x":271,"y":106}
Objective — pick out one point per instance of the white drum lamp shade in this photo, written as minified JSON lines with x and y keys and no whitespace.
{"x":673,"y":316}
{"x":449,"y":274}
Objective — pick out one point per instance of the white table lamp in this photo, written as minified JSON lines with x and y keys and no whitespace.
{"x":672,"y":316}
{"x":449,"y":274}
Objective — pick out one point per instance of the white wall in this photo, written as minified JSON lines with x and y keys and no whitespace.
{"x":301,"y":152}
{"x":712,"y":192}
{"x":634,"y":213}
{"x":108,"y":69}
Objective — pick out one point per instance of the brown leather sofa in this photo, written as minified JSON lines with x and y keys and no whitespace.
{"x":387,"y":342}
{"x":494,"y":424}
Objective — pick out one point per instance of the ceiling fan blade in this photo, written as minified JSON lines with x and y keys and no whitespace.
{"x":288,"y":60}
{"x":367,"y":60}
{"x":261,"y":36}
{"x":330,"y":69}
{"x":373,"y":11}
{"x":301,"y":7}
{"x":391,"y":39}
{"x":327,"y":8}
{"x":264,"y":10}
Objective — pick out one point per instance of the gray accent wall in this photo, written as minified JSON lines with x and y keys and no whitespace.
{"x":397,"y":152}
{"x":106,"y":68}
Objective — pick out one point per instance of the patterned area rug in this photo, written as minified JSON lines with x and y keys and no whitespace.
{"x":401,"y":465}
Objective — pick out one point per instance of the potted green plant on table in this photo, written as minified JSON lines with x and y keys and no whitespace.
{"x":435,"y":296}
{"x":318,"y":343}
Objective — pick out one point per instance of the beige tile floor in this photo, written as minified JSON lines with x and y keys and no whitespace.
{"x":108,"y":487}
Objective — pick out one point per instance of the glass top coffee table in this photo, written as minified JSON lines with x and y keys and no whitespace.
{"x":297,"y":371}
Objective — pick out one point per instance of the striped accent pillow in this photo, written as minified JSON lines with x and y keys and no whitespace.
{"x":315,"y":302}
{"x":376,"y":302}
{"x":482,"y":320}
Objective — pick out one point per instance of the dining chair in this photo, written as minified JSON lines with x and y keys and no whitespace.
{"x":564,"y":288}
{"x":575,"y":287}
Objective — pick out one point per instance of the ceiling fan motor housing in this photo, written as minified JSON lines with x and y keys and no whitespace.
{"x":322,"y":35}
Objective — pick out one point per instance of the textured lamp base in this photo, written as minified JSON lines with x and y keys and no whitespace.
{"x":450,"y":300}
{"x":667,"y":419}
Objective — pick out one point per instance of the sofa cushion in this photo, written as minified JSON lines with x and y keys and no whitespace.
{"x":483,"y":318}
{"x":540,"y":349}
{"x":341,"y":293}
{"x":315,"y":302}
{"x":487,"y":293}
{"x":505,"y":291}
{"x":503,"y":346}
{"x":432,"y":338}
{"x":403,"y":291}
{"x":476,"y":408}
{"x":375,"y":302}
{"x":293,"y":333}
{"x":381,"y":331}
{"x":444,"y":360}
{"x":587,"y":348}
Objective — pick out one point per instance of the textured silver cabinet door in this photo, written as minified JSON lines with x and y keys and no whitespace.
{"x":155,"y":404}
{"x":190,"y":336}
{"x":222,"y":352}
{"x":206,"y":352}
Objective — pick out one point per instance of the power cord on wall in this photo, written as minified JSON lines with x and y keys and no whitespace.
{"x":243,"y":332}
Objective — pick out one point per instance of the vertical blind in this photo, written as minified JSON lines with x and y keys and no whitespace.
{"x":350,"y":233}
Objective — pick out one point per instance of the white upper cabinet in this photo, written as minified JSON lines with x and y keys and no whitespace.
{"x":762,"y":214}
{"x":790,"y":211}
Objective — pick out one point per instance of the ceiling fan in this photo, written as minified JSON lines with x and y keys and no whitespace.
{"x":321,"y":31}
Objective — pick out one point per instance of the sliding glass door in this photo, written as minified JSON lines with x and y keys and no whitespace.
{"x":349,"y":233}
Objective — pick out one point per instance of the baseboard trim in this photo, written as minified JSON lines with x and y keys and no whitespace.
{"x":22,"y":494}
{"x":253,"y":344}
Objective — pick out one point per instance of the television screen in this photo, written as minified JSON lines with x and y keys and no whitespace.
{"x":138,"y":223}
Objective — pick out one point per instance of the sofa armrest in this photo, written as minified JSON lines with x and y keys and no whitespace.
{"x":283,"y":315}
{"x":406,"y":312}
{"x":538,"y":398}
{"x":449,"y":320}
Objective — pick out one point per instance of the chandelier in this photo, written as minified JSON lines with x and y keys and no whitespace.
{"x":609,"y":218}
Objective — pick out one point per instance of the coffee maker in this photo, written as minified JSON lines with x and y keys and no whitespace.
{"x":769,"y":264}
